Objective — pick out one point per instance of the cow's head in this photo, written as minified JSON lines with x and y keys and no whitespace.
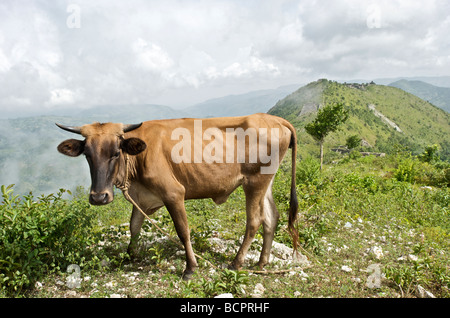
{"x":103,"y":146}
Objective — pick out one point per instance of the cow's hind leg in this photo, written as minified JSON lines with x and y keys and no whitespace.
{"x":255,"y":216}
{"x":270,"y":222}
{"x":178,"y":213}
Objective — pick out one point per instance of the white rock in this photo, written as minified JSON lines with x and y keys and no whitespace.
{"x":300,"y":260}
{"x":226,"y":295}
{"x":71,"y":293}
{"x":348,"y":225}
{"x":110,"y":284}
{"x":258,"y":291}
{"x":303,"y":274}
{"x":377,"y":252}
{"x":423,"y":293}
{"x":345,"y":268}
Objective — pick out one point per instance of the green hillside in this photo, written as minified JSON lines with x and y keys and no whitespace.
{"x":385,"y":117}
{"x":439,"y":96}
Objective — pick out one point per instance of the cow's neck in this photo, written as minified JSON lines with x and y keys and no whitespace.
{"x":126,"y":171}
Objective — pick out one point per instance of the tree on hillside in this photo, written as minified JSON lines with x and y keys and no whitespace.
{"x":328,"y":120}
{"x":353,"y":141}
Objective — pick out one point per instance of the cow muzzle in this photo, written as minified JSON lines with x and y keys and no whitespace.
{"x":100,"y":198}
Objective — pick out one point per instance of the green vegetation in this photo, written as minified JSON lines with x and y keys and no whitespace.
{"x":353,"y":142}
{"x":39,"y":236}
{"x":358,"y":216}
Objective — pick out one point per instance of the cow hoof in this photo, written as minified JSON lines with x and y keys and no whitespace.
{"x":187,"y":275}
{"x":234,"y":267}
{"x":260,"y":265}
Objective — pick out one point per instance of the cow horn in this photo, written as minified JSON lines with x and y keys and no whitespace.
{"x":72,"y":129}
{"x":127,"y":128}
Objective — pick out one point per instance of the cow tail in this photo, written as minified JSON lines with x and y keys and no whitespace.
{"x":293,"y":203}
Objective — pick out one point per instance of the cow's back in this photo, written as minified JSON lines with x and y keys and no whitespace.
{"x":187,"y":151}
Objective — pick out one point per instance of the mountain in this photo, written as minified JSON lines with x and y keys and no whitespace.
{"x":130,"y":113}
{"x":384,"y":116}
{"x":439,"y":96}
{"x":442,"y":81}
{"x":238,"y":105}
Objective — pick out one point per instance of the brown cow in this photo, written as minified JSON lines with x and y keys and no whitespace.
{"x":180,"y":159}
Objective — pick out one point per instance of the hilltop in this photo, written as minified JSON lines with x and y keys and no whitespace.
{"x":383,"y":116}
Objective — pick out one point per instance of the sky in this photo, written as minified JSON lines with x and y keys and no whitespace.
{"x":56,"y":55}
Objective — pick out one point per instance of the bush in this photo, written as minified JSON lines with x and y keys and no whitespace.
{"x":308,"y":172}
{"x":406,"y":170}
{"x":417,"y":170}
{"x":353,"y":142}
{"x":38,"y":236}
{"x":430,"y":154}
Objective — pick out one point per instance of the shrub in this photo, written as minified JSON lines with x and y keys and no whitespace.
{"x":308,"y":171}
{"x":406,"y":170}
{"x":430,"y":154}
{"x":353,"y":142}
{"x":38,"y":236}
{"x":405,"y":277}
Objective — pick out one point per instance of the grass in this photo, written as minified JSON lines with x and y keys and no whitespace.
{"x":365,"y":233}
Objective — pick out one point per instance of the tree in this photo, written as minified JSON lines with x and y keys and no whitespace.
{"x":430,"y":154}
{"x":328,"y":120}
{"x":353,"y":141}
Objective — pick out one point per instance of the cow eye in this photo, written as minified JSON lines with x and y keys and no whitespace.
{"x":117,"y":154}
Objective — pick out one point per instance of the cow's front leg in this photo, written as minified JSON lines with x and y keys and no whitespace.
{"x":137,"y":218}
{"x":136,"y":221}
{"x":178,"y":213}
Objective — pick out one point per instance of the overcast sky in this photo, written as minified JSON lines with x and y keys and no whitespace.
{"x":57,"y":54}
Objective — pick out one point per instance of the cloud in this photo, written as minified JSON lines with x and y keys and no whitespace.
{"x":348,"y":39}
{"x":62,"y":96}
{"x":163,"y":51}
{"x":151,"y":57}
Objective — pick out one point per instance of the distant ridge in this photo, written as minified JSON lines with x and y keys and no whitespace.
{"x":442,"y":81}
{"x":259,"y":101}
{"x":439,"y":96}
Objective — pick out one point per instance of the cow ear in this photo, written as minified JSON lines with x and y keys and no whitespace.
{"x":133,"y":146}
{"x":71,"y":147}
